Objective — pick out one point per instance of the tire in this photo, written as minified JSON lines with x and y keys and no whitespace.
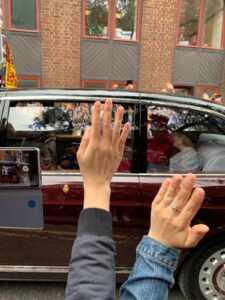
{"x":202,"y":276}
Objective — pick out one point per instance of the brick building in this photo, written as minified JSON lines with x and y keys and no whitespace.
{"x":97,"y":43}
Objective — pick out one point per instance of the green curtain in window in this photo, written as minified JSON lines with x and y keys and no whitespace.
{"x":23,"y":13}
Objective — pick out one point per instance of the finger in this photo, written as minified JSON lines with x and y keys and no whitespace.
{"x":185,"y":191}
{"x":196,"y":233}
{"x":107,"y":119}
{"x":172,"y":190}
{"x":84,"y":142}
{"x":117,"y":125}
{"x":95,"y":136}
{"x":162,"y":191}
{"x":192,"y":206}
{"x":123,"y":138}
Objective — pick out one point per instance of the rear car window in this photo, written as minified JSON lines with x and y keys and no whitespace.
{"x":184,"y":140}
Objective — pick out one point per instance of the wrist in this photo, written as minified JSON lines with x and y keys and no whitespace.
{"x":97,"y":197}
{"x":160,"y":239}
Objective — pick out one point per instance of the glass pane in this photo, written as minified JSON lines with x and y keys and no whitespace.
{"x":183,"y":90}
{"x":27,"y":83}
{"x":23,"y":14}
{"x":189,"y":21}
{"x":94,"y":85}
{"x":214,"y":11}
{"x":27,"y":128}
{"x":126,"y":19}
{"x":175,"y":139}
{"x":203,"y":92}
{"x":96,"y":18}
{"x":57,"y":128}
{"x":1,"y":21}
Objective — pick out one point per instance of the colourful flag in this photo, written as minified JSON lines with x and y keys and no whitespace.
{"x":9,"y":78}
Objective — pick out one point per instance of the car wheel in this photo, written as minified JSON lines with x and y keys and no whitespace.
{"x":202,"y":276}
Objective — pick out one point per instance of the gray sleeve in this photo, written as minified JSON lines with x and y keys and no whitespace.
{"x":92,"y":265}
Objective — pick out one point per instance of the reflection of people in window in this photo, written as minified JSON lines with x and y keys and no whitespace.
{"x":187,"y":159}
{"x":181,"y":36}
{"x":187,"y":36}
{"x":125,"y":164}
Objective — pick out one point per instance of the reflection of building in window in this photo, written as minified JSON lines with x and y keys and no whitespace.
{"x":183,"y":90}
{"x":96,"y":18}
{"x":202,"y":91}
{"x":213,"y":27}
{"x":94,"y":84}
{"x":189,"y":21}
{"x":126,"y":19}
{"x":211,"y":23}
{"x":24,"y":14}
{"x":29,"y":81}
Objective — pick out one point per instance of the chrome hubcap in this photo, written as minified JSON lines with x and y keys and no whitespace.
{"x":212,"y":276}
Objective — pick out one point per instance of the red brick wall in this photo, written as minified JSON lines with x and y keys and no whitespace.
{"x":60,"y":34}
{"x":158,"y":31}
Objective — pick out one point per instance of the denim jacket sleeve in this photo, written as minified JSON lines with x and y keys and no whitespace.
{"x":92,"y":265}
{"x":152,"y":274}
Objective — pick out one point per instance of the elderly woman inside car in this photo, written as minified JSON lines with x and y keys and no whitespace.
{"x":187,"y":159}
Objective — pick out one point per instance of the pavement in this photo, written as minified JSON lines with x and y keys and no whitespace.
{"x":49,"y":291}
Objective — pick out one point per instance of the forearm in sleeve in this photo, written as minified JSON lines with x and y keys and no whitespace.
{"x":92,"y":265}
{"x":152,"y":274}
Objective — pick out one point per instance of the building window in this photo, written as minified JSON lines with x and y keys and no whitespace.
{"x":29,"y":82}
{"x":203,"y":18}
{"x":23,"y":15}
{"x":96,"y":18}
{"x":206,"y":92}
{"x":94,"y":84}
{"x":184,"y":90}
{"x":213,"y":24}
{"x":189,"y":15}
{"x":122,"y":85}
{"x":2,"y":16}
{"x":126,"y":20}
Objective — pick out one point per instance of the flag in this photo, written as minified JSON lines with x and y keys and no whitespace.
{"x":9,"y":78}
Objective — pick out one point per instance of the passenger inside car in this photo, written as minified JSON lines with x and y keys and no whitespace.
{"x":187,"y":160}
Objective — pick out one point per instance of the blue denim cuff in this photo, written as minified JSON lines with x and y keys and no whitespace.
{"x":159,"y":253}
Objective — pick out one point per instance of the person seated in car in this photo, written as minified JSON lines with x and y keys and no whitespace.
{"x":69,"y":159}
{"x":187,"y":160}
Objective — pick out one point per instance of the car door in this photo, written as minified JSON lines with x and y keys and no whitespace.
{"x":56,"y":128}
{"x":206,"y":132}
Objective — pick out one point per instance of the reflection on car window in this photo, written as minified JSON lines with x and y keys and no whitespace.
{"x":183,"y":140}
{"x":56,"y":129}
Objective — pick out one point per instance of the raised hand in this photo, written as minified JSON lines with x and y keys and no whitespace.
{"x":100,"y":153}
{"x":173,"y":209}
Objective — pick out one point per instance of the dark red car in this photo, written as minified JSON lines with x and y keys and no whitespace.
{"x":54,"y":121}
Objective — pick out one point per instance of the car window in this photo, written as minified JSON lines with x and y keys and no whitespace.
{"x":181,"y":140}
{"x":56,"y":128}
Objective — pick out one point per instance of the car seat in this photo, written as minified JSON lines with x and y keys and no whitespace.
{"x":216,"y":163}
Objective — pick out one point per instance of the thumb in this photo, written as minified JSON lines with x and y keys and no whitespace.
{"x":196,"y":233}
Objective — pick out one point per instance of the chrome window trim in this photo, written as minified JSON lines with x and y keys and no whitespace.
{"x":183,"y":174}
{"x":187,"y":106}
{"x":71,"y":98}
{"x":53,"y":173}
{"x":33,"y":269}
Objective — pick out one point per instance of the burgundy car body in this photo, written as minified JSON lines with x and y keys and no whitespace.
{"x":45,"y":254}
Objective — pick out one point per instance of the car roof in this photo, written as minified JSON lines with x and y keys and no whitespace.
{"x":129,"y":96}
